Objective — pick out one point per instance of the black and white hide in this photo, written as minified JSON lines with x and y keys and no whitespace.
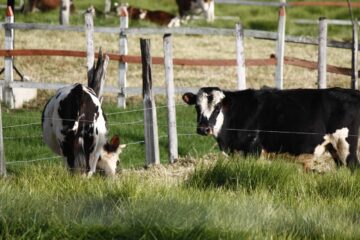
{"x":74,"y":126}
{"x":296,"y":121}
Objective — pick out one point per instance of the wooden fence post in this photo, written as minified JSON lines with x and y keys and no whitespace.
{"x":354,"y":55}
{"x":240,"y":57}
{"x":65,"y":12}
{"x":170,"y":95}
{"x":90,"y":55}
{"x":322,"y":53}
{"x":124,"y":23}
{"x":280,"y":47}
{"x":150,"y":118}
{"x":8,"y":95}
{"x":107,"y":6}
{"x":2,"y":150}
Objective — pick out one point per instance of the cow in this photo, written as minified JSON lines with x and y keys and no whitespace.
{"x":295,"y":121}
{"x":74,"y":126}
{"x":156,"y":16}
{"x":46,"y":5}
{"x":188,"y":8}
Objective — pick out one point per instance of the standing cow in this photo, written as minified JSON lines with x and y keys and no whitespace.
{"x":187,"y":8}
{"x":74,"y":126}
{"x":280,"y":121}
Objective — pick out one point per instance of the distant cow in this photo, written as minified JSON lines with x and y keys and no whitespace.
{"x":296,"y":121}
{"x":74,"y":126}
{"x":157,"y":16}
{"x":187,"y":8}
{"x":45,"y":5}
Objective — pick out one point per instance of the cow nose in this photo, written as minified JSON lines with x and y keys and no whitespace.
{"x":204,"y":130}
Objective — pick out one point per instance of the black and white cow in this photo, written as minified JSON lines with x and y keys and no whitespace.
{"x":293,"y":121}
{"x":74,"y":126}
{"x":187,"y":8}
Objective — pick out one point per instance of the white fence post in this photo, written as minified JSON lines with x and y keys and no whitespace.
{"x":8,"y":95}
{"x":65,"y":12}
{"x":354,"y":56}
{"x":240,"y":57}
{"x":2,"y":150}
{"x":170,"y":94}
{"x":89,"y":29}
{"x":322,"y":53}
{"x":280,"y":47}
{"x":150,"y":118}
{"x":124,"y":23}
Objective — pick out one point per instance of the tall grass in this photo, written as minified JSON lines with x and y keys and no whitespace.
{"x":227,"y":199}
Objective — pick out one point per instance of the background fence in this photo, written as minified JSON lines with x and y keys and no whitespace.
{"x":122,"y":90}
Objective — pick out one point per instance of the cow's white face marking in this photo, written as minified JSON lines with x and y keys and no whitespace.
{"x":339,"y":143}
{"x":207,"y":103}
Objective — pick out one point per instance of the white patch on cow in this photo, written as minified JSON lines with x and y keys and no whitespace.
{"x":206,"y":107}
{"x":339,"y":143}
{"x":175,"y":22}
{"x":209,"y":10}
{"x":143,"y":14}
{"x":218,"y":125}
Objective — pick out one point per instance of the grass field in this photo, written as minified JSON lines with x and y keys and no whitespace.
{"x":203,"y":195}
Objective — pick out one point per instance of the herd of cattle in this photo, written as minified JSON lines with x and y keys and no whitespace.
{"x":186,"y":9}
{"x":252,"y":122}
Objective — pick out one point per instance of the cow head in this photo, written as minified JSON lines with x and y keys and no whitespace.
{"x":209,"y":106}
{"x":109,"y":155}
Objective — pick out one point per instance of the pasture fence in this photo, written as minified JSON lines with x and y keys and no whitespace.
{"x":122,"y":90}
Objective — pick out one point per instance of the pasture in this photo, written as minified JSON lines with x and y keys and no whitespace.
{"x":203,"y":195}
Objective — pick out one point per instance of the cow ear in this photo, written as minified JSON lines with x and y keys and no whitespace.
{"x":115,"y":141}
{"x":189,"y":98}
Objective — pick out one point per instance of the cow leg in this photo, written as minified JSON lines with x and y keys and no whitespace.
{"x":68,"y":152}
{"x":329,"y":147}
{"x":352,"y":160}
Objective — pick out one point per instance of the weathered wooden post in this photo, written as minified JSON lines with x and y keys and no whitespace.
{"x":150,"y":118}
{"x":322,"y":53}
{"x":124,"y":23}
{"x":240,"y":57}
{"x":107,"y":6}
{"x":170,"y":95}
{"x":65,"y":12}
{"x":8,"y":95}
{"x":90,"y":55}
{"x":354,"y":55}
{"x":2,"y":150}
{"x":280,"y":47}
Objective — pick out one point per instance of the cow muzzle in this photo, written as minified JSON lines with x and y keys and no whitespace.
{"x":204,"y":130}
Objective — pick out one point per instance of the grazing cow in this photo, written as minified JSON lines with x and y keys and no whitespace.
{"x":74,"y":126}
{"x":187,"y":8}
{"x":297,"y":121}
{"x":158,"y":16}
{"x":46,"y":5}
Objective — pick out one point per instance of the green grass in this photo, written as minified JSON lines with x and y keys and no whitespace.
{"x":252,"y":17}
{"x":228,"y":199}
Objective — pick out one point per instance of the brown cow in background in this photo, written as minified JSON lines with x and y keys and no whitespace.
{"x":45,"y":5}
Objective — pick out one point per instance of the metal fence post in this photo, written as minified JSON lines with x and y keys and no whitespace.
{"x":150,"y":118}
{"x":322,"y":53}
{"x":8,"y":94}
{"x":65,"y":12}
{"x":124,"y":23}
{"x":2,"y":150}
{"x":280,"y":47}
{"x":170,"y":94}
{"x":354,"y":56}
